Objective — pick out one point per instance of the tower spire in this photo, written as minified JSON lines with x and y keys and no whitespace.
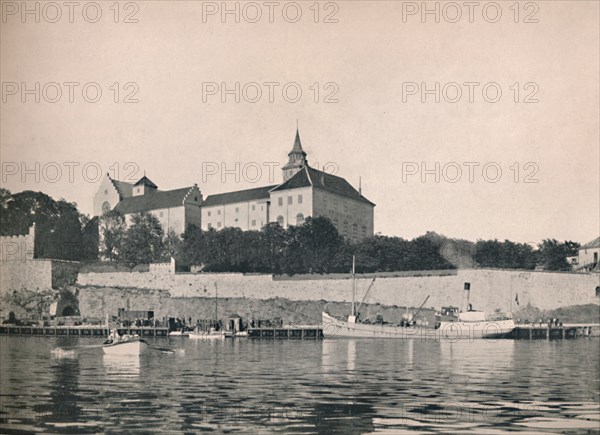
{"x":297,"y":148}
{"x":296,"y":157}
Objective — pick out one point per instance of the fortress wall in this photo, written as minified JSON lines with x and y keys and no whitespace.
{"x":490,"y":288}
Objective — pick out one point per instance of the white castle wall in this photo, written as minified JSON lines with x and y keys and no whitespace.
{"x":490,"y":289}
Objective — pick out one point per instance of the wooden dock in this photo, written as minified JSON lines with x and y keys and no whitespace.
{"x":552,"y":332}
{"x":80,"y":331}
{"x":300,"y":332}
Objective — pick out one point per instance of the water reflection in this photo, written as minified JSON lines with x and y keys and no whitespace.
{"x":121,"y":366}
{"x":331,"y":386}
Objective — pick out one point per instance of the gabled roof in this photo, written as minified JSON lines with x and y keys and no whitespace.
{"x":308,"y":176}
{"x":593,"y":244}
{"x":145,"y":181}
{"x":153,"y":201}
{"x":238,"y":196}
{"x":297,"y":148}
{"x":124,"y":189}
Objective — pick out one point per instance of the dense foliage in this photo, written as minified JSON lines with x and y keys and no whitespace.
{"x":313,"y":247}
{"x":60,"y":228}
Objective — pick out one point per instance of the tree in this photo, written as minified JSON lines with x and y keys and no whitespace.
{"x":506,"y":255}
{"x":112,"y":229}
{"x":58,"y":226}
{"x":554,"y":254}
{"x":313,"y":247}
{"x":143,"y":240}
{"x":274,"y":246}
{"x":172,"y":245}
{"x":191,"y":249}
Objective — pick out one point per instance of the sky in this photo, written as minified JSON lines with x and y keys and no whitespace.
{"x":191,"y":95}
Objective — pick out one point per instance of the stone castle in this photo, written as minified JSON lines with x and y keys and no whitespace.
{"x":304,"y":192}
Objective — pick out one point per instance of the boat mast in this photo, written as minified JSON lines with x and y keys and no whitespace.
{"x":216,"y":304}
{"x":353,"y":286}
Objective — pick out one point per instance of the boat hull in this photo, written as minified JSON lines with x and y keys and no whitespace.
{"x":207,"y":336}
{"x":135,"y":347}
{"x":490,"y":329}
{"x":448,"y":331}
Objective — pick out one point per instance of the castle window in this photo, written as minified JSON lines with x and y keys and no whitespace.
{"x":253,"y":223}
{"x":160,"y":214}
{"x":218,"y":212}
{"x":209,"y":225}
{"x":209,"y":213}
{"x":299,"y":219}
{"x":196,"y":198}
{"x":253,"y":207}
{"x":280,"y":201}
{"x":218,"y":224}
{"x":106,"y":192}
{"x":280,"y":219}
{"x":105,"y":207}
{"x":289,"y":199}
{"x":236,"y":219}
{"x":139,"y":189}
{"x":299,"y":199}
{"x":237,"y":209}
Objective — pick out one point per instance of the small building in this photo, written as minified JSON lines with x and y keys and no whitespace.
{"x":587,"y":258}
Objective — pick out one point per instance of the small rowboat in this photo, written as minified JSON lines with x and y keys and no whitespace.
{"x":125,"y":345}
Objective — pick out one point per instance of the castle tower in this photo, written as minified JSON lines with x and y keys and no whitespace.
{"x":297,"y":159}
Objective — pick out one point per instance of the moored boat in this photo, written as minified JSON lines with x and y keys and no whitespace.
{"x":336,"y":328}
{"x":212,"y":334}
{"x":451,"y":324}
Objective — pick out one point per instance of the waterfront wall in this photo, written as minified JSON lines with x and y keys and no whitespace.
{"x":36,"y":275}
{"x":490,"y":288}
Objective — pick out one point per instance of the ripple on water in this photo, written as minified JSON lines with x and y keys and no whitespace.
{"x":346,"y":386}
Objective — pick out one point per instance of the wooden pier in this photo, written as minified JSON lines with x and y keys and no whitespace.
{"x":538,"y":331}
{"x":287,"y":332}
{"x":80,"y":331}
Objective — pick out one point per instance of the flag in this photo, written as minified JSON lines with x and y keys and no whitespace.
{"x":517,"y":298}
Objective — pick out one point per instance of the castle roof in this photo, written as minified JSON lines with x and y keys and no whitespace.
{"x":297,"y":148}
{"x":153,"y":200}
{"x":124,"y":189}
{"x":308,"y":176}
{"x":238,"y":196}
{"x":145,"y":181}
{"x":593,"y":244}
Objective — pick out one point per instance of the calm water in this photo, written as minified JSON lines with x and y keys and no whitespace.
{"x":331,"y":386}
